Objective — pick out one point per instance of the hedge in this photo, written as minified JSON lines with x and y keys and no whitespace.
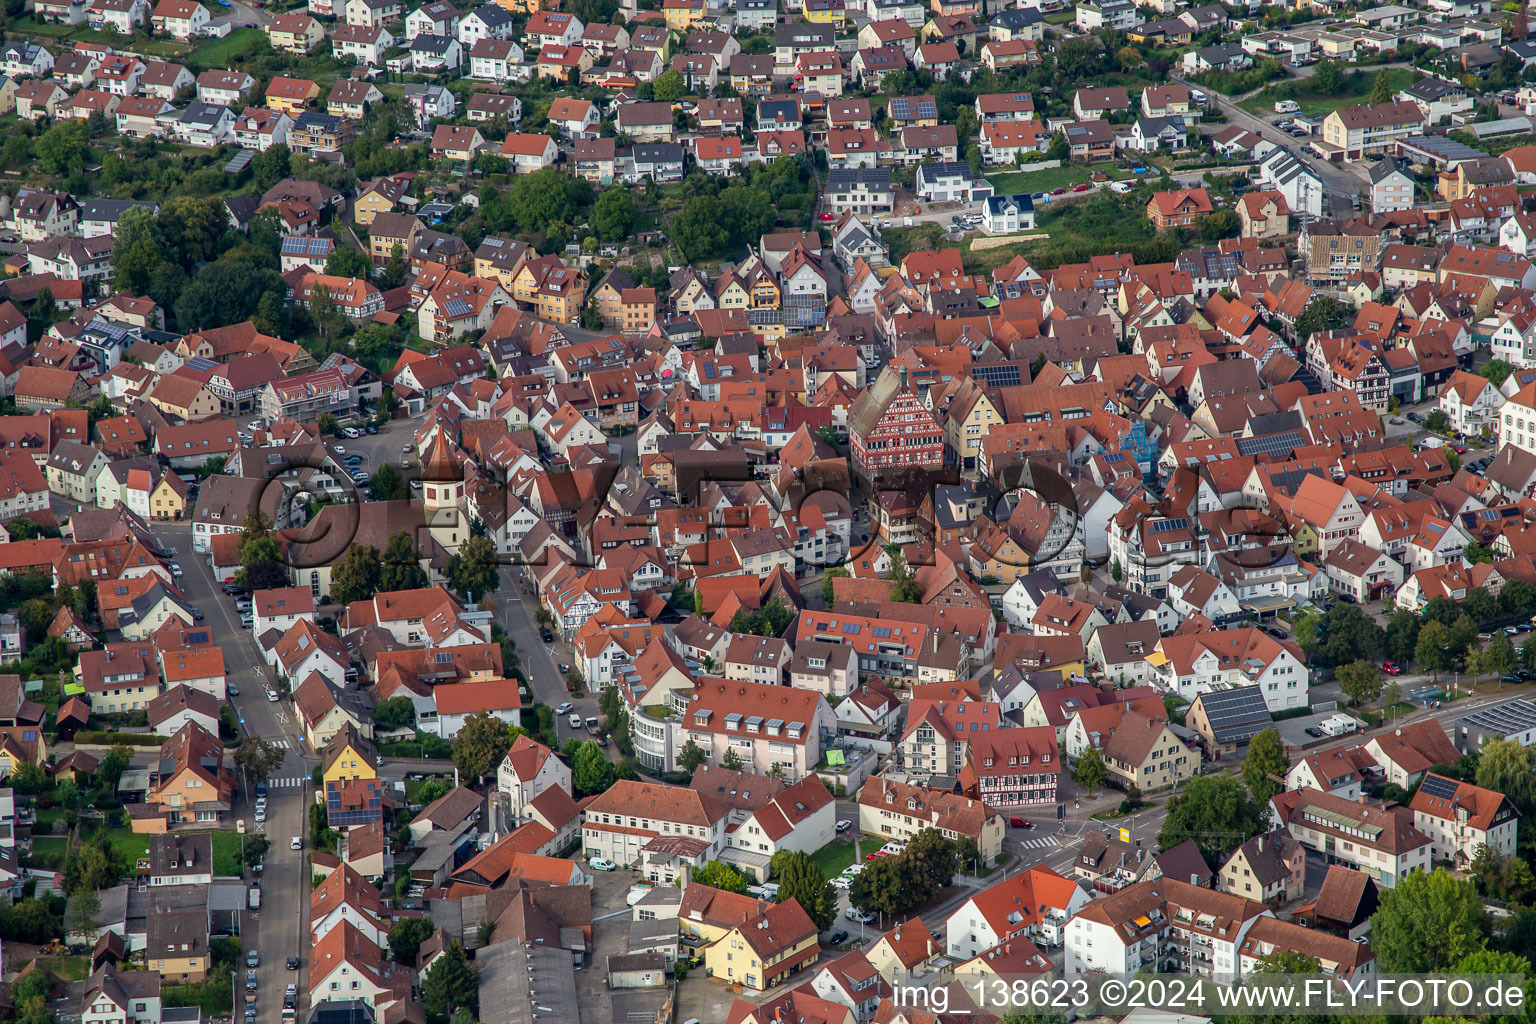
{"x":108,"y":739}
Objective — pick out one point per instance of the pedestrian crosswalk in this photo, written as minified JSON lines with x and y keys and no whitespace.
{"x":1038,"y":844}
{"x":293,"y":782}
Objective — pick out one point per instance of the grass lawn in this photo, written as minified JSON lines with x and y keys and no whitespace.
{"x":833,"y":858}
{"x":83,"y":34}
{"x":902,"y":240}
{"x":226,"y":854}
{"x":1356,"y":90}
{"x":48,"y":851}
{"x":70,"y":968}
{"x":131,"y":845}
{"x":1052,"y":177}
{"x":217,"y":53}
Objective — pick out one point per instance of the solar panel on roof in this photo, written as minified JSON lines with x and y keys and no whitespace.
{"x":1165,"y":525}
{"x":1270,"y":444}
{"x":456,"y":307}
{"x":1438,"y":787}
{"x":997,"y":375}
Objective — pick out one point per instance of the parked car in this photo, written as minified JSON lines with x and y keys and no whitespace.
{"x":253,"y":959}
{"x":250,"y":980}
{"x":601,"y":864}
{"x":1390,"y":668}
{"x":296,"y":843}
{"x":855,"y":914}
{"x":1314,"y":732}
{"x":837,"y":938}
{"x":844,"y":827}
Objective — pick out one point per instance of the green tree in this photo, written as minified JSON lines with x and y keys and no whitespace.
{"x":1504,"y":766}
{"x":113,"y":764}
{"x":1089,"y":771}
{"x":356,"y":576}
{"x":1517,"y":596}
{"x":836,"y":572}
{"x":394,"y":713}
{"x":472,"y":569}
{"x":1342,"y":634}
{"x":731,"y":761}
{"x":1360,"y":681}
{"x":906,"y":589}
{"x":1381,"y":89}
{"x":453,"y":983}
{"x":1496,"y":370}
{"x":348,"y":261}
{"x":83,"y":910}
{"x":1498,"y":655}
{"x":479,"y":746}
{"x":720,"y":876}
{"x":193,"y":227}
{"x":258,"y":759}
{"x":669,"y":86}
{"x":878,"y":888}
{"x":1059,"y":148}
{"x":1266,"y":761}
{"x":270,"y":166}
{"x":699,"y":229}
{"x":1433,"y":648}
{"x":225,"y":291}
{"x":613,"y":215}
{"x":400,"y":568}
{"x":689,"y":758}
{"x":1324,"y":312}
{"x":386,"y":485}
{"x":65,"y":147}
{"x":29,"y":777}
{"x":396,"y":270}
{"x":1479,"y":604}
{"x":591,"y":772}
{"x":1476,"y":553}
{"x":1219,"y":224}
{"x":1327,"y":79}
{"x":254,"y":847}
{"x":35,"y":615}
{"x":138,"y":251}
{"x":1426,"y":923}
{"x":431,"y":791}
{"x":801,"y":880}
{"x":406,"y":937}
{"x":1216,"y":812}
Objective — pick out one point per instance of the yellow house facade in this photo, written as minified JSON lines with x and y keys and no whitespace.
{"x":166,"y":501}
{"x":759,"y":958}
{"x":349,"y":756}
{"x":370,"y":205}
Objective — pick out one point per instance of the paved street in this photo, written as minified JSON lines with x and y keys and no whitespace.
{"x":278,"y":929}
{"x":1340,"y":181}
